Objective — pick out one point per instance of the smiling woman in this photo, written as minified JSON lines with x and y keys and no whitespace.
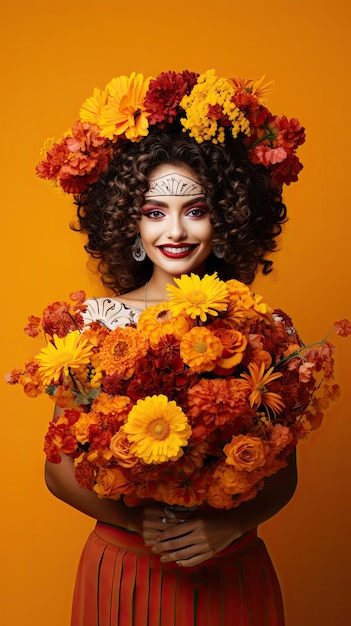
{"x":178,"y":176}
{"x":175,"y":226}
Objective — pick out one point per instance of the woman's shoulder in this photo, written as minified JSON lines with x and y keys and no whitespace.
{"x":111,"y":312}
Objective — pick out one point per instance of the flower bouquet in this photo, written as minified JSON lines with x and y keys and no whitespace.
{"x":195,"y":404}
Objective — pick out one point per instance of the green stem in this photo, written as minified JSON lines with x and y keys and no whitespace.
{"x":302,"y":349}
{"x":269,"y":136}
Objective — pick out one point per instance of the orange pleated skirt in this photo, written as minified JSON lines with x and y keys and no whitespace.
{"x":120,"y":582}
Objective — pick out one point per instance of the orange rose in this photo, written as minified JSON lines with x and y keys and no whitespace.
{"x":245,"y":453}
{"x":112,"y":483}
{"x":234,"y":344}
{"x":120,"y":448}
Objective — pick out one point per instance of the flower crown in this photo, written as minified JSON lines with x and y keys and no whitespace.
{"x":204,"y":106}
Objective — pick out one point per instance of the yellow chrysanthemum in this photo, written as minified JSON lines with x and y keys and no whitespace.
{"x":157,"y":321}
{"x":157,"y":430}
{"x":201,"y":349}
{"x":198,"y":296}
{"x":92,"y":108}
{"x":256,"y":381}
{"x":210,"y":100}
{"x":125,"y":112}
{"x":66,"y":353}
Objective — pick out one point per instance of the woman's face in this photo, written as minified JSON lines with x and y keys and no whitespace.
{"x":175,"y":226}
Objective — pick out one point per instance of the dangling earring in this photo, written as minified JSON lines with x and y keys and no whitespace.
{"x":218,"y":251}
{"x":138,"y":252}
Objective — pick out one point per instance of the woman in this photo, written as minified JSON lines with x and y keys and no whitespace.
{"x":162,"y":204}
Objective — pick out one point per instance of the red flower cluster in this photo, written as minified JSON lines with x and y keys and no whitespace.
{"x":165,"y":93}
{"x":78,"y":160}
{"x":275,"y":143}
{"x":59,"y":318}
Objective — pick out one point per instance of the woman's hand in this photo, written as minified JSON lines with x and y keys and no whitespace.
{"x":191,"y":542}
{"x":154,"y":522}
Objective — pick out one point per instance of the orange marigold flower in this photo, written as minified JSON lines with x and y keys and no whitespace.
{"x":96,"y":333}
{"x":184,"y":492}
{"x":157,"y":321}
{"x":193,"y":459}
{"x":84,"y":472}
{"x":64,"y":397}
{"x":218,"y":498}
{"x":216,"y":401}
{"x":112,"y":406}
{"x":245,"y":453}
{"x":80,"y":429}
{"x":200,"y":349}
{"x":235,"y":481}
{"x":240,"y":307}
{"x":59,"y":438}
{"x":256,"y":382}
{"x":121,"y":350}
{"x":31,"y":379}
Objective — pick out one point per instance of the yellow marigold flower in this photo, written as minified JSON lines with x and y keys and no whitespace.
{"x":256,"y":381}
{"x":125,"y":113}
{"x":157,"y":321}
{"x":65,"y":354}
{"x":211,"y":100}
{"x":120,"y":351}
{"x":198,"y":296}
{"x":201,"y":349}
{"x":157,"y":430}
{"x":92,"y":108}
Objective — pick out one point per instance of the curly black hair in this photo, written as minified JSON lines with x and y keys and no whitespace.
{"x":246,"y":210}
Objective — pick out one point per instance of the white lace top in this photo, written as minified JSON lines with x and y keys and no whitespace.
{"x":110,"y":312}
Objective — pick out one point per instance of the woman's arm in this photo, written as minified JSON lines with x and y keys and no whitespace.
{"x":62,"y":484}
{"x":207,"y":533}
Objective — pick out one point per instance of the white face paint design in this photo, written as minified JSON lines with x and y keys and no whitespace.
{"x":174,"y":184}
{"x":175,"y":226}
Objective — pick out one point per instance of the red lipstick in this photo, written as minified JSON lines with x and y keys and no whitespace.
{"x":179,"y":251}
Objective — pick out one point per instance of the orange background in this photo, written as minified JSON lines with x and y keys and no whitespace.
{"x":53,"y":55}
